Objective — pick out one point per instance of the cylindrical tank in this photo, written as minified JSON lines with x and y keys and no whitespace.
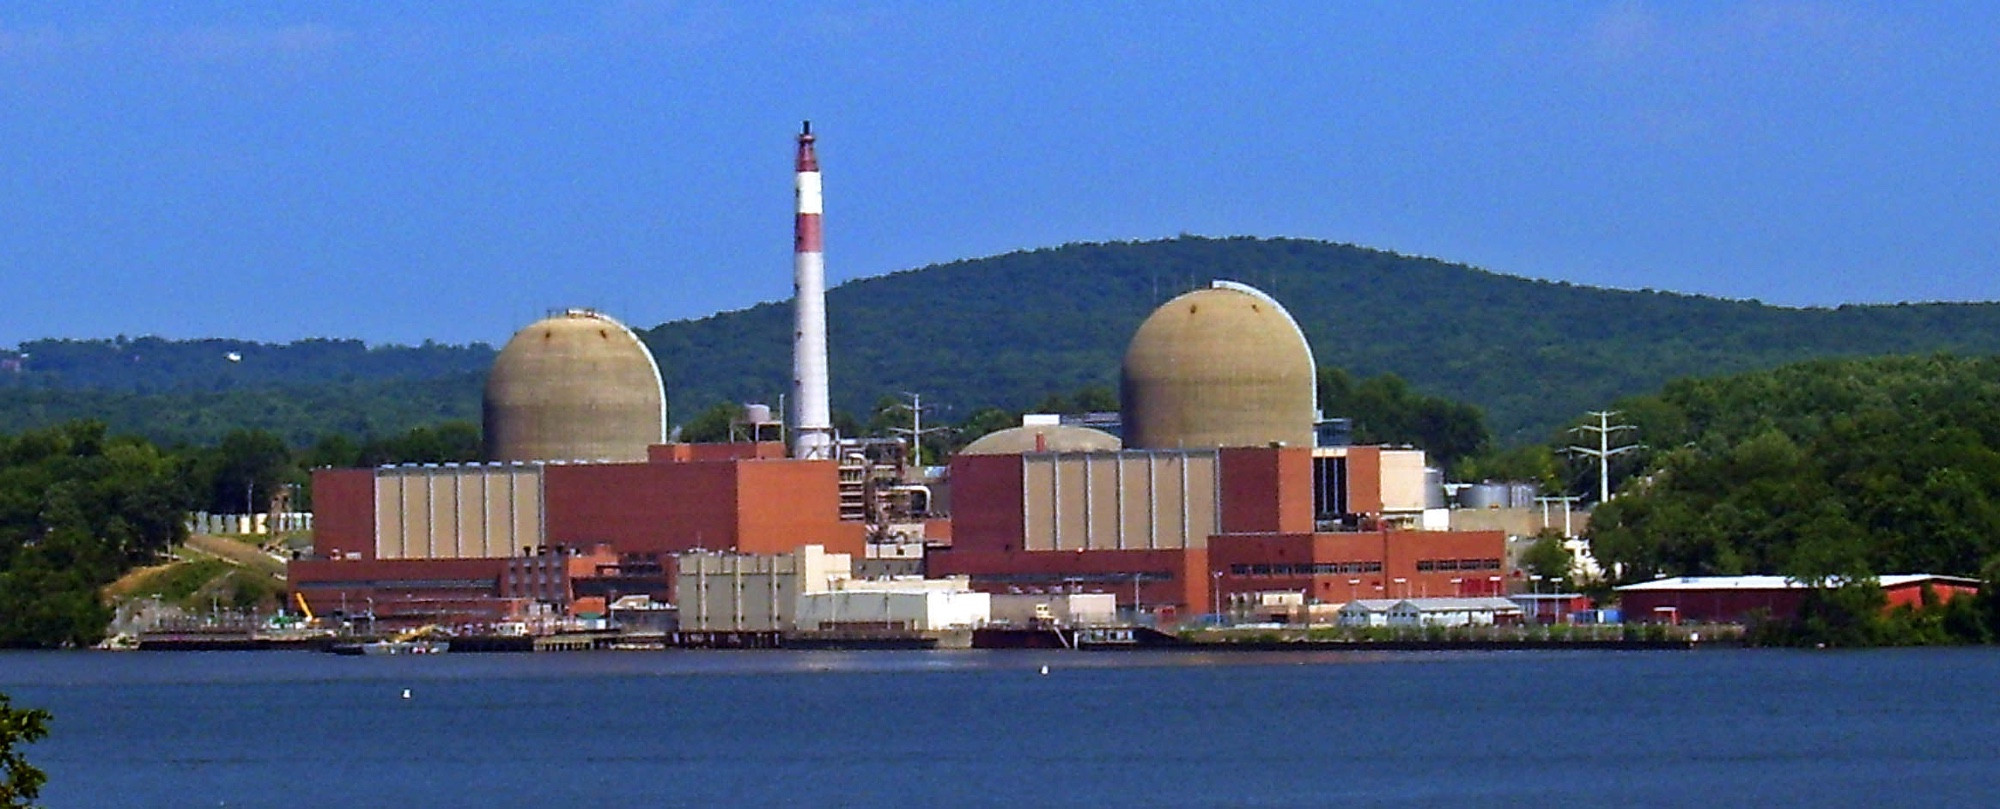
{"x":576,"y":386}
{"x":1219,"y":367}
{"x":1434,"y":488}
{"x":1483,"y":495}
{"x":1522,"y":495}
{"x":756,"y":414}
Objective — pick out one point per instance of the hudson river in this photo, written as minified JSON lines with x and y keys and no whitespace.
{"x":631,"y":729}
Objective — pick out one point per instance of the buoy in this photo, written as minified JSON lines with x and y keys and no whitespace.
{"x":406,"y":693}
{"x":1045,"y":670}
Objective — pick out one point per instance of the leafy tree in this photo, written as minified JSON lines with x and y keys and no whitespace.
{"x":78,"y":508}
{"x":20,"y":782}
{"x":712,"y":424}
{"x":1827,"y":471}
{"x":1549,"y":559}
{"x":1385,"y":410}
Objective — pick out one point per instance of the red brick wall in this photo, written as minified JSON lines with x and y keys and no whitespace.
{"x":781,"y":505}
{"x":1364,"y":480}
{"x":1398,"y":554}
{"x":683,"y":453}
{"x":1702,"y":606}
{"x":986,"y":503}
{"x":398,"y":587}
{"x":1734,"y":606}
{"x":1266,"y":490}
{"x":642,"y":508}
{"x":344,"y":511}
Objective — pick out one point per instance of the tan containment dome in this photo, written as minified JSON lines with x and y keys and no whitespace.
{"x":1219,"y":367}
{"x":1042,"y":438}
{"x":576,"y":386}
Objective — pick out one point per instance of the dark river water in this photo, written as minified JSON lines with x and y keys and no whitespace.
{"x":630,"y":729}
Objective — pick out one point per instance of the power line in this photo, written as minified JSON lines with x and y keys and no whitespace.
{"x":1603,"y":428}
{"x":916,"y":430}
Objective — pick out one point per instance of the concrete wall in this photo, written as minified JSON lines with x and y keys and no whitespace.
{"x":751,"y":593}
{"x":1127,"y":500}
{"x":1518,"y":522}
{"x":457,"y":512}
{"x":1403,"y":480}
{"x":886,"y":608}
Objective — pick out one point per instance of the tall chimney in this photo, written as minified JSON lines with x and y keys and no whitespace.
{"x":811,"y":416}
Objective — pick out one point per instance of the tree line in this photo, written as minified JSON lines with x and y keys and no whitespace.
{"x":81,"y":506}
{"x":1020,"y":327}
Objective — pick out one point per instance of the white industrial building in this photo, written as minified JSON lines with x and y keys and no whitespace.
{"x":1485,"y":611}
{"x":1365,"y":612}
{"x":920,"y":605}
{"x":810,"y":589}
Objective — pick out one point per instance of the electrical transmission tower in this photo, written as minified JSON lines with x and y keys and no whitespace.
{"x":1603,"y":428}
{"x":916,"y":430}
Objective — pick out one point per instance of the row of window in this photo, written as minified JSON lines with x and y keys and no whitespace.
{"x":1448,"y":565}
{"x":1306,"y":569}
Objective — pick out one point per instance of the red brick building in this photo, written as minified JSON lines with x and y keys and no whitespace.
{"x":1735,"y":599}
{"x":1183,"y":530}
{"x":405,"y":537}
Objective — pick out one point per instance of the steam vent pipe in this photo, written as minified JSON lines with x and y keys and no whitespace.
{"x":811,"y":416}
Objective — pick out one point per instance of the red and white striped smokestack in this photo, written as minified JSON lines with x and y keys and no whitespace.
{"x":811,"y":416}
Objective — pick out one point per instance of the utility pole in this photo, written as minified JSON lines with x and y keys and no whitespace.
{"x":915,"y":431}
{"x":1603,"y":428}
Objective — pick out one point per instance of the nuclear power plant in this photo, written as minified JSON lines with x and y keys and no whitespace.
{"x":1218,"y":491}
{"x":578,"y":386}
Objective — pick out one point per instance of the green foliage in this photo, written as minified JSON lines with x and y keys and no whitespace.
{"x":1549,"y":559}
{"x":1022,"y":326}
{"x":1852,"y":615}
{"x":1529,"y":353}
{"x":77,"y":509}
{"x":1529,"y":462}
{"x":1386,"y":410}
{"x":20,"y":782}
{"x":1831,"y":469}
{"x":299,"y":413}
{"x":177,"y":583}
{"x":711,"y":424}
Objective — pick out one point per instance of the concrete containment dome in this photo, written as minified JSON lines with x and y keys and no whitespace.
{"x":1042,"y":438}
{"x":1219,"y":367}
{"x":576,"y":386}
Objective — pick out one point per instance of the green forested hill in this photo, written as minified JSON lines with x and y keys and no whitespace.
{"x":1010,"y":329}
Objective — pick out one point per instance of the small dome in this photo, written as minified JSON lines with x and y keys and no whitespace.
{"x":577,"y":386}
{"x":1219,"y":367}
{"x":1042,"y":438}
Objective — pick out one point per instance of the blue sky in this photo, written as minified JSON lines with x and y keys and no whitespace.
{"x":401,"y":172}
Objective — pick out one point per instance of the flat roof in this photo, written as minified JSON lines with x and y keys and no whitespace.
{"x":1777,"y":582}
